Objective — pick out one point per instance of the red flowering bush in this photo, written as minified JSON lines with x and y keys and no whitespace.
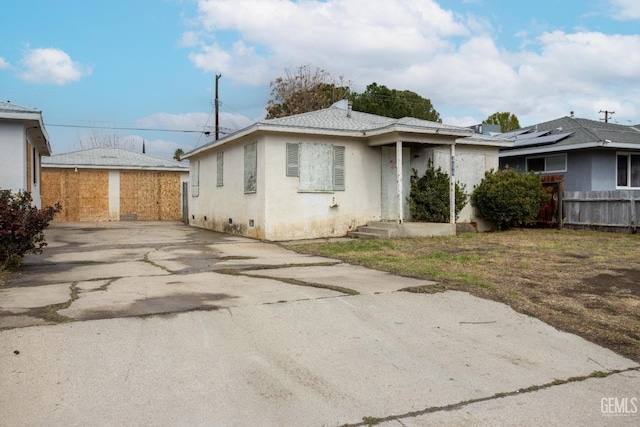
{"x":21,"y":226}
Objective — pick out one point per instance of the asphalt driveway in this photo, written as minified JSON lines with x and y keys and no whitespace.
{"x":163,"y":324}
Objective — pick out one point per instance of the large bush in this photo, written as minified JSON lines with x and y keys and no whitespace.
{"x":429,"y":196}
{"x":21,"y":226}
{"x":509,"y":198}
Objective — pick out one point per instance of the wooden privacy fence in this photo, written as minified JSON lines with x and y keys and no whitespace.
{"x":597,"y":209}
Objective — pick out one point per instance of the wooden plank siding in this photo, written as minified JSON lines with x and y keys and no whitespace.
{"x":84,"y":194}
{"x":602,"y":209}
{"x":150,"y":196}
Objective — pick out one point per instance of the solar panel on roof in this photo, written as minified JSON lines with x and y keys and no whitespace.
{"x":532,"y":135}
{"x":513,"y":133}
{"x":541,"y":140}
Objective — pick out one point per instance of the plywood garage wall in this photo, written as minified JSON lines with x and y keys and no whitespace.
{"x":150,"y":196}
{"x":84,"y":195}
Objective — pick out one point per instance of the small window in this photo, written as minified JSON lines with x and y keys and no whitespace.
{"x":547,"y":164}
{"x":220,"y":169}
{"x":195,"y":178}
{"x":628,"y":170}
{"x":535,"y":164}
{"x":35,"y":167}
{"x":250,"y":167}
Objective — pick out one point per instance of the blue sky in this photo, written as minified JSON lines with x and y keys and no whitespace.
{"x":151,"y":64}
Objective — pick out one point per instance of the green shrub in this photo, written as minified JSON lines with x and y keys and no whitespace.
{"x":21,"y":226}
{"x":429,"y":196}
{"x":509,"y":198}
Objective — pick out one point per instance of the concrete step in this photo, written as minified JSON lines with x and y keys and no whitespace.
{"x":388,"y":225}
{"x":383,"y":232}
{"x":361,"y":235}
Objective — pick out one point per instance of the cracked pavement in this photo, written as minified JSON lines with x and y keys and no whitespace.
{"x":164,"y":324}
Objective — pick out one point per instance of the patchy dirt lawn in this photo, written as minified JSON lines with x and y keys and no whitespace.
{"x":583,"y":282}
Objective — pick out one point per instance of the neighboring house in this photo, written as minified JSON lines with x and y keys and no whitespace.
{"x":114,"y":184}
{"x":24,"y":141}
{"x":324,"y":173}
{"x":596,"y":165}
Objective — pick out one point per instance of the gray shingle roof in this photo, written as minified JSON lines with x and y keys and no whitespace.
{"x":584,"y":131}
{"x":336,"y":118}
{"x":112,"y":158}
{"x":13,"y":108}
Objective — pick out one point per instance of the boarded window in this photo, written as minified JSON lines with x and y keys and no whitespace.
{"x":195,"y":178}
{"x":319,"y":166}
{"x":250,"y":168}
{"x":219,"y":169}
{"x":316,"y":167}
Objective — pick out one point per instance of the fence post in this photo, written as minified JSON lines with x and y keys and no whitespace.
{"x":632,"y":212}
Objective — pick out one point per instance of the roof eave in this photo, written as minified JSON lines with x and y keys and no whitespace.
{"x":114,"y":167}
{"x":553,"y":149}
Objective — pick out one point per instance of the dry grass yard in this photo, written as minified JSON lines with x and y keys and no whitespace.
{"x":583,"y":282}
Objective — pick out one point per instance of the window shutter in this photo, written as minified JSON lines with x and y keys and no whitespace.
{"x":338,"y":168}
{"x":293,"y":159}
{"x":195,"y":178}
{"x":219,"y":170}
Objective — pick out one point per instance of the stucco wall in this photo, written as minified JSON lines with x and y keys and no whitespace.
{"x":227,"y":208}
{"x":20,"y":163}
{"x":13,"y":161}
{"x":291,"y":214}
{"x":471,"y":165}
{"x":278,"y":210}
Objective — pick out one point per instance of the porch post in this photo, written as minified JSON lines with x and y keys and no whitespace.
{"x":399,"y":180}
{"x":452,"y":185}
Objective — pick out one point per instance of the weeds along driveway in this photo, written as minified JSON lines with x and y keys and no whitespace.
{"x":163,"y":324}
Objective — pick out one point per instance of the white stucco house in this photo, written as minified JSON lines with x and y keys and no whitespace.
{"x":24,"y":141}
{"x":324,"y":173}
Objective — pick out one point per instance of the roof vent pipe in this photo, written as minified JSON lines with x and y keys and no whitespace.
{"x":349,"y":108}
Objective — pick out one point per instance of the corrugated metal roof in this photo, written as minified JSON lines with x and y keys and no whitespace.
{"x":112,"y":158}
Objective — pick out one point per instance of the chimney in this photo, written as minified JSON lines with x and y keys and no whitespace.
{"x":349,"y":108}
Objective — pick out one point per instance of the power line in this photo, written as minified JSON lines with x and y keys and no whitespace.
{"x":206,"y":132}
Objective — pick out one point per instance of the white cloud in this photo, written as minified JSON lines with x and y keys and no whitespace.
{"x":626,"y":9}
{"x":417,"y":45}
{"x":51,"y":66}
{"x":334,"y":35}
{"x":4,"y":64}
{"x":155,"y":147}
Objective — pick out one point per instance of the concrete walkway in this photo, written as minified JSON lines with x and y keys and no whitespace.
{"x":163,"y":324}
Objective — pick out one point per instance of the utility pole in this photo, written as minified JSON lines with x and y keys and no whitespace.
{"x":606,"y":115}
{"x":217,"y":106}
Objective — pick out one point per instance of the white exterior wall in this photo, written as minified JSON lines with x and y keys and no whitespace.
{"x":214,"y":205}
{"x":291,"y":214}
{"x":13,"y":162}
{"x":471,"y":164}
{"x":278,"y":210}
